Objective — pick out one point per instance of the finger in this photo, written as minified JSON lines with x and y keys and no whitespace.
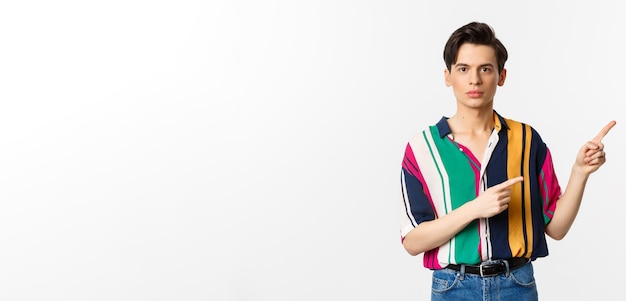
{"x":510,"y":182}
{"x":592,"y":153}
{"x":593,"y":148}
{"x":595,"y":155}
{"x":604,"y":131}
{"x":595,"y":161}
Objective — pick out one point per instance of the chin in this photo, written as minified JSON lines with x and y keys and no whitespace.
{"x":477,"y":104}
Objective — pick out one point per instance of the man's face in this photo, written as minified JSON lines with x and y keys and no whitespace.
{"x":474,"y":77}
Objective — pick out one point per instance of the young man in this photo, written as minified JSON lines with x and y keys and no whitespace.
{"x":479,"y":191}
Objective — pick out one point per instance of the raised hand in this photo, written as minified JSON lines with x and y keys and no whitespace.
{"x":591,"y":155}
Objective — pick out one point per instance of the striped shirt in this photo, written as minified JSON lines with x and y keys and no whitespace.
{"x":439,"y":175}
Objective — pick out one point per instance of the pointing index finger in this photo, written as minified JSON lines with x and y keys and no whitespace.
{"x":604,"y":131}
{"x":510,"y":182}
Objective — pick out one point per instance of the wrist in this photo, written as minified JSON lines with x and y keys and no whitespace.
{"x":579,"y":172}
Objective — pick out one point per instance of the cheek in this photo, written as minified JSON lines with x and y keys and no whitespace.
{"x":456,"y":80}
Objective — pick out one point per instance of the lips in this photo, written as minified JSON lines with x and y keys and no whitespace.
{"x":474,"y":94}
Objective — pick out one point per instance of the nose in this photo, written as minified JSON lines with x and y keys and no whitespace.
{"x":475,"y":79}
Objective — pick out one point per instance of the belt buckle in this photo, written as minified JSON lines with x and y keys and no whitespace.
{"x":480,"y":269}
{"x":489,"y":263}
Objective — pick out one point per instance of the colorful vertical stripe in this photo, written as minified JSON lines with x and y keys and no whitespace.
{"x":439,"y":175}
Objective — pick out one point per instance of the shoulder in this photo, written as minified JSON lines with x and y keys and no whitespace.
{"x":517,"y":126}
{"x":438,"y":130}
{"x":522,"y":130}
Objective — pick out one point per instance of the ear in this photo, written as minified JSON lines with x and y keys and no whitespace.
{"x":502,"y":77}
{"x":446,"y":76}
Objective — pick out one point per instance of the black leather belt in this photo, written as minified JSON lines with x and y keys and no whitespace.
{"x":491,"y":268}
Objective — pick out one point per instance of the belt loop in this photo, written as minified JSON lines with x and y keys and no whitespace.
{"x":506,"y":265}
{"x":462,"y":272}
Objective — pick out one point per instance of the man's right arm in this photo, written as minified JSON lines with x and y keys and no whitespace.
{"x":431,"y":234}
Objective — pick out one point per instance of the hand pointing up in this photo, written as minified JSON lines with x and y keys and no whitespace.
{"x":591,"y":156}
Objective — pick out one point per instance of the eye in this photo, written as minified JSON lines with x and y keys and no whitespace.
{"x":462,"y":69}
{"x":486,"y":69}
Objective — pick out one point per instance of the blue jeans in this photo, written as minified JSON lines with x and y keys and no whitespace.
{"x":518,"y":284}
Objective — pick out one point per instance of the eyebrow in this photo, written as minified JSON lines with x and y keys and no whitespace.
{"x":480,"y":66}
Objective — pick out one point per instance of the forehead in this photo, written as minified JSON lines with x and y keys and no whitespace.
{"x":473,"y":54}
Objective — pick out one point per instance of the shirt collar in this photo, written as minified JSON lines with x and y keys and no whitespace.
{"x":444,"y":128}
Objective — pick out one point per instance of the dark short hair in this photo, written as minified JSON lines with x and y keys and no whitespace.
{"x":474,"y":33}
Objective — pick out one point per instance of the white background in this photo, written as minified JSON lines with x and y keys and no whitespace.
{"x":251,"y":150}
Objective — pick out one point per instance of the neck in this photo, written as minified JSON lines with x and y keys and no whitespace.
{"x":475,"y":122}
